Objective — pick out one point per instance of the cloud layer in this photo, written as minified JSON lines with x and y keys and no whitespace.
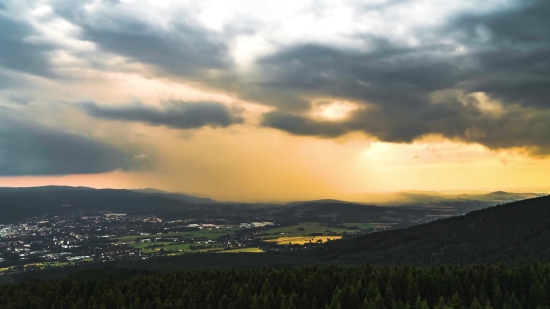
{"x":468,"y":71}
{"x":174,"y":114}
{"x":28,"y":148}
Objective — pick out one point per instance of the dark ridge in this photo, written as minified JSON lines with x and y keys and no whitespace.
{"x":513,"y":232}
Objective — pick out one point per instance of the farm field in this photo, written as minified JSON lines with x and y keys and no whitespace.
{"x":383,"y":225}
{"x":302,"y":229}
{"x":360,"y":225}
{"x":243,"y":250}
{"x":57,"y":264}
{"x":177,"y":247}
{"x":142,"y":245}
{"x":300,"y":240}
{"x":209,"y":234}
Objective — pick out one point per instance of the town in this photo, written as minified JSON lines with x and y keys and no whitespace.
{"x":55,"y":240}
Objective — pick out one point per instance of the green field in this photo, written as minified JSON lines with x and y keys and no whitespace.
{"x":243,"y":250}
{"x":209,"y":234}
{"x":308,"y":228}
{"x":174,"y":248}
{"x":141,"y":245}
{"x":360,"y":225}
{"x":57,"y":264}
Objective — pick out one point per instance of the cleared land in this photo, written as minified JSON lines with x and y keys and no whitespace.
{"x":243,"y":250}
{"x":142,"y":245}
{"x":303,"y":229}
{"x":360,"y":225}
{"x":177,"y":247}
{"x":57,"y":264}
{"x":209,"y":234}
{"x":301,"y":240}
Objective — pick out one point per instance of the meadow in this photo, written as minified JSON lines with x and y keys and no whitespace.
{"x":302,"y":229}
{"x":302,"y":240}
{"x":243,"y":250}
{"x":209,"y":234}
{"x":360,"y":225}
{"x":176,"y":247}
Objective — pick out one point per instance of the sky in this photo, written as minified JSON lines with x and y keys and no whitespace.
{"x":275,"y":100}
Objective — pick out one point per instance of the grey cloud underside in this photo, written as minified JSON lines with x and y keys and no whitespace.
{"x":174,"y":114}
{"x":404,"y":92}
{"x":177,"y":48}
{"x":515,"y":60}
{"x":17,"y":54}
{"x":27,"y":148}
{"x":21,"y":100}
{"x":411,"y":92}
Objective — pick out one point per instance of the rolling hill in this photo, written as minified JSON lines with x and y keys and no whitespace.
{"x":20,"y":203}
{"x":513,"y":232}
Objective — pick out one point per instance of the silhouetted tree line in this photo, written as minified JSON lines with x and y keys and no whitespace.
{"x":451,"y":287}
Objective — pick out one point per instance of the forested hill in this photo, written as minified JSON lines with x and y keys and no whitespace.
{"x":513,"y":232}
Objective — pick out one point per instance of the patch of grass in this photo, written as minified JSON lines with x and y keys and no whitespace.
{"x":210,"y":250}
{"x":303,"y":229}
{"x":204,"y":233}
{"x":360,"y":225}
{"x":141,"y":245}
{"x":210,"y":234}
{"x":129,"y":238}
{"x":301,"y":240}
{"x":383,"y":225}
{"x":243,"y":250}
{"x":57,"y":264}
{"x":34,"y":265}
{"x":176,"y":247}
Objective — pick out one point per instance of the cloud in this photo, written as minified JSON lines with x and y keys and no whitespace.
{"x":302,"y":126}
{"x":512,"y":50}
{"x":21,"y":100}
{"x":411,"y":91}
{"x":409,"y":76}
{"x":28,"y":148}
{"x":20,"y":54}
{"x":177,"y":47}
{"x":173,"y":114}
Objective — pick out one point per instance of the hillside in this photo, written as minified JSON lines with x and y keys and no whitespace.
{"x":21,"y":203}
{"x":513,"y":232}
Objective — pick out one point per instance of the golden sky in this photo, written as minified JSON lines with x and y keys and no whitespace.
{"x":276,"y":101}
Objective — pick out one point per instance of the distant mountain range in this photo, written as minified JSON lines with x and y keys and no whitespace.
{"x":20,"y":203}
{"x":176,"y":196}
{"x":53,"y":190}
{"x":425,"y":198}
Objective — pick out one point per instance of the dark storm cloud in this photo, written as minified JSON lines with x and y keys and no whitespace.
{"x":177,"y":48}
{"x":302,"y":126}
{"x":27,"y":148}
{"x":185,"y":51}
{"x":403,"y":92}
{"x":514,"y":57}
{"x":411,"y":92}
{"x":174,"y":114}
{"x":19,"y":55}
